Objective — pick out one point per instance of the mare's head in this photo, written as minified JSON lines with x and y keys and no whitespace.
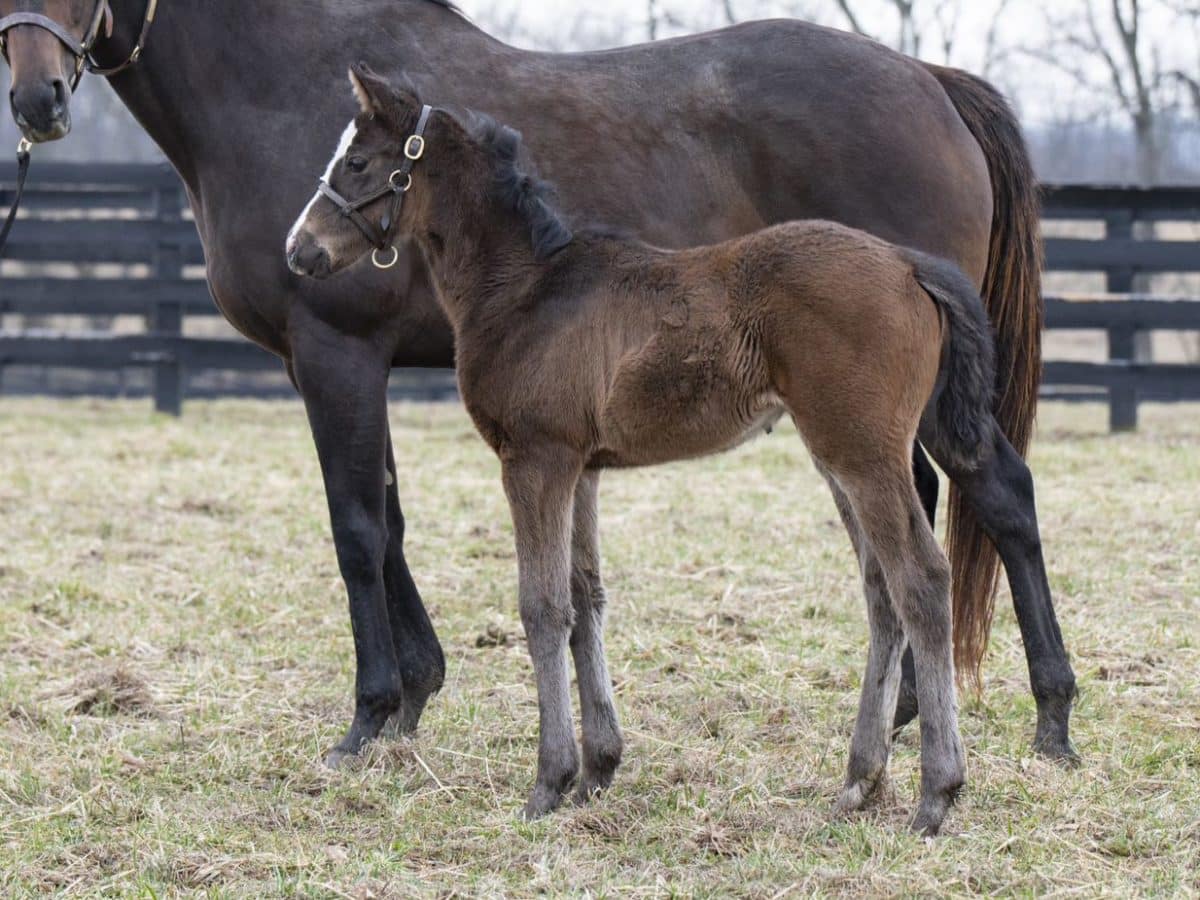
{"x":403,"y":170}
{"x":43,"y":65}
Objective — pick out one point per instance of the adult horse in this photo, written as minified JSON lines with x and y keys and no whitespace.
{"x":686,"y":141}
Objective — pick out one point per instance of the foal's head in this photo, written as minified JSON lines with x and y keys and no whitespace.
{"x":405,"y":170}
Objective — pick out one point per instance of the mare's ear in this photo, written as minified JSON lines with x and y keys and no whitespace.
{"x":379,"y":97}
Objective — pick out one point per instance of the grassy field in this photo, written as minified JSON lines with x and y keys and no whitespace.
{"x":175,"y":657}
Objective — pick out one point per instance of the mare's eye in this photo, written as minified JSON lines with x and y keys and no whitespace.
{"x":356,"y":164}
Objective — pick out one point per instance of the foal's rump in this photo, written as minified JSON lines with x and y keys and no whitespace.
{"x":854,"y":342}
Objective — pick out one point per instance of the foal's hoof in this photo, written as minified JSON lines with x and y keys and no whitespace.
{"x":542,"y":802}
{"x":591,"y":786}
{"x":929,"y":818}
{"x":858,"y":794}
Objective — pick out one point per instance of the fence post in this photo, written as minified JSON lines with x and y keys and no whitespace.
{"x":166,"y":319}
{"x":1122,"y":341}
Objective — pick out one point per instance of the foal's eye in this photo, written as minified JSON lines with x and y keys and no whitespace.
{"x":356,"y":164}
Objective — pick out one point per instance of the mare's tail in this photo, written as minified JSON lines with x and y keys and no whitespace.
{"x":1012,"y":295}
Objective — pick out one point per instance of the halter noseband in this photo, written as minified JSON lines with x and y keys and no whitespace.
{"x":397,"y":185}
{"x":81,"y":49}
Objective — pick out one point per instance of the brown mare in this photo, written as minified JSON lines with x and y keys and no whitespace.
{"x":762,"y":123}
{"x":578,"y":352}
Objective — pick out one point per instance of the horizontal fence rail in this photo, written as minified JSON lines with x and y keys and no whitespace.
{"x":110,"y":241}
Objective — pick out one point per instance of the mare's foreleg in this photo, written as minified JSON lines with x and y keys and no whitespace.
{"x":418,"y":653}
{"x":343,"y":381}
{"x":602,"y":741}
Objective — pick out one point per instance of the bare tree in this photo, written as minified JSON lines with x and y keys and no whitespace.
{"x":1103,"y":46}
{"x":918,"y":22}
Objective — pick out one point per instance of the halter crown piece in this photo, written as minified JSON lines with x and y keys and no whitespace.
{"x":398,"y":184}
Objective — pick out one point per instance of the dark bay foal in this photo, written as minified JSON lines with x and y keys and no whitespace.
{"x":578,"y":352}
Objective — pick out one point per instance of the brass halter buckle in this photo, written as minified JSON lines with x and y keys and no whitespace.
{"x":414,"y":147}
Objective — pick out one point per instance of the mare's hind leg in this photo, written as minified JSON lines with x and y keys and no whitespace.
{"x":872,"y":741}
{"x":602,"y":741}
{"x":918,"y":579}
{"x":540,"y":490}
{"x":926,"y":479}
{"x":1000,"y":492}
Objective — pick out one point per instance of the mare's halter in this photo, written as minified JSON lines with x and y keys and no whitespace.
{"x":101,"y":22}
{"x":397,"y":185}
{"x":81,"y":49}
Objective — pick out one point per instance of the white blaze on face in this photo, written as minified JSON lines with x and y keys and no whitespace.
{"x":343,"y":146}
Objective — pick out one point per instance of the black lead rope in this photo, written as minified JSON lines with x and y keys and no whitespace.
{"x":23,"y":157}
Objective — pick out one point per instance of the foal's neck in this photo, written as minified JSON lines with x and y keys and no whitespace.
{"x":481,"y":263}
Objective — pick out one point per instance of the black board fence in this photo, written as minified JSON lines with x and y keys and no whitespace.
{"x":131,"y":224}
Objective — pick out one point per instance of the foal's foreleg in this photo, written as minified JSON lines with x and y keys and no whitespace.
{"x":602,"y":741}
{"x":540,"y":492}
{"x":872,"y":741}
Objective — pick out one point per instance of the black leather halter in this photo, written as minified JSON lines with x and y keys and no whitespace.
{"x":81,"y":48}
{"x":397,"y":186}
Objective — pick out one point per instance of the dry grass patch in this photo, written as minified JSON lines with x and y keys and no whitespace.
{"x":176,"y":658}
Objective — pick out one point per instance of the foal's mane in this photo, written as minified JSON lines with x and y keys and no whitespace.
{"x":519,"y":190}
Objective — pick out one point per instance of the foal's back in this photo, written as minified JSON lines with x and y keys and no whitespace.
{"x":814,"y":318}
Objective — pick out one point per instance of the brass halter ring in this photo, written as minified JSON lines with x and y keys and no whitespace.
{"x":398,"y":187}
{"x":385,"y":265}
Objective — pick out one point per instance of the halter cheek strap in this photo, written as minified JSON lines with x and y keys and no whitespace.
{"x":398,"y":184}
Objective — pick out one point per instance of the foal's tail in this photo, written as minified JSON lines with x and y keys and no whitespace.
{"x":1012,"y":295}
{"x":968,"y":376}
{"x":965,"y":421}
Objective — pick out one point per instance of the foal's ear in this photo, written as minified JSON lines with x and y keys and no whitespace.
{"x":379,"y":97}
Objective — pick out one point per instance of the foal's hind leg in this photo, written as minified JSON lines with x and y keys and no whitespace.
{"x":918,"y":579}
{"x":1000,"y":492}
{"x":602,"y":741}
{"x":926,"y":479}
{"x":871,"y":745}
{"x":540,"y":492}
